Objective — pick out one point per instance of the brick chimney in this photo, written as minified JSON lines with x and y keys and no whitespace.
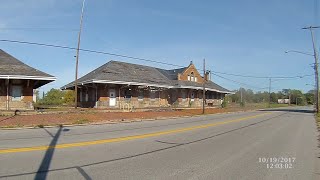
{"x":207,"y":76}
{"x":179,"y":76}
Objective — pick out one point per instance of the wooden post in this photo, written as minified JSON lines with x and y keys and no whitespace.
{"x":204,"y":87}
{"x":7,"y":105}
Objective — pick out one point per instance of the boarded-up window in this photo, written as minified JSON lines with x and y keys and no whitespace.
{"x":152,"y":95}
{"x":184,"y":96}
{"x":140,"y":97}
{"x":87,"y":97}
{"x":80,"y":96}
{"x":16,"y":93}
{"x":127,"y":93}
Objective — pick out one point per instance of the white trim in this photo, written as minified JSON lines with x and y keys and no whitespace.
{"x":27,"y":77}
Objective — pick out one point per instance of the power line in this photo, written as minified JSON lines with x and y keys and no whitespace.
{"x":264,"y":77}
{"x":240,"y":83}
{"x":143,"y":59}
{"x":88,"y":50}
{"x":36,"y":29}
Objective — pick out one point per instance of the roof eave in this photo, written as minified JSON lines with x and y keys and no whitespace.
{"x":46,"y":78}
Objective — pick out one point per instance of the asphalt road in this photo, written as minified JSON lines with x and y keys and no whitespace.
{"x":270,"y":144}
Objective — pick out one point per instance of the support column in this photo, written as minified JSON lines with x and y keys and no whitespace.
{"x":159,"y":98}
{"x":7,"y":104}
{"x":119,"y":96}
{"x":96,"y":96}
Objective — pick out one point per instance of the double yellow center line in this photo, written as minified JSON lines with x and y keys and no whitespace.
{"x":142,"y":136}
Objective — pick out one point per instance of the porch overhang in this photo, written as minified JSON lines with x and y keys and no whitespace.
{"x":40,"y":80}
{"x":71,"y":86}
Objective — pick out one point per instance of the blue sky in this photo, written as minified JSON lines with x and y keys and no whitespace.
{"x":246,"y":37}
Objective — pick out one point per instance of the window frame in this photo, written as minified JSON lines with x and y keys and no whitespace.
{"x":13,"y":98}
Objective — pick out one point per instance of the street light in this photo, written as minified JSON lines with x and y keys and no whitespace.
{"x":300,"y":52}
{"x":315,"y":55}
{"x":311,"y":85}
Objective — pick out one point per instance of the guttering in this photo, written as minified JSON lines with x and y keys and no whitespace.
{"x":79,"y":83}
{"x":28,"y":77}
{"x":226,"y":92}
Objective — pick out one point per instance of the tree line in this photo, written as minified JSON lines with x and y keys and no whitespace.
{"x":249,"y":96}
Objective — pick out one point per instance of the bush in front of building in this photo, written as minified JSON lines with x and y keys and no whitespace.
{"x":224,"y":103}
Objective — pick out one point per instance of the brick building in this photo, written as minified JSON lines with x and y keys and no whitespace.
{"x":18,"y":82}
{"x":118,"y":84}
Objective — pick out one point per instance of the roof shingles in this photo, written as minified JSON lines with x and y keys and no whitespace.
{"x":127,"y":72}
{"x":10,"y":66}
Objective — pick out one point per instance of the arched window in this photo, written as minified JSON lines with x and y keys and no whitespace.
{"x":192,"y":76}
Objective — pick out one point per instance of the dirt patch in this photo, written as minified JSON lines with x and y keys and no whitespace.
{"x":100,"y":117}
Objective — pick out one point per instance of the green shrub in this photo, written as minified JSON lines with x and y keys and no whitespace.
{"x":242,"y":104}
{"x":40,"y":126}
{"x":224,"y":104}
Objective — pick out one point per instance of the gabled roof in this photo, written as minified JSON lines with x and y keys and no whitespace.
{"x":12,"y":68}
{"x":117,"y":72}
{"x":125,"y":72}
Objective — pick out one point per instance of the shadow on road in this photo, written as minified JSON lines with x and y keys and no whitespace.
{"x":83,"y":173}
{"x":79,"y":168}
{"x":290,"y":110}
{"x":46,"y":161}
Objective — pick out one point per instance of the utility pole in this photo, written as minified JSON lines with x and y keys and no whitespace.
{"x":204,"y":86}
{"x":77,"y":59}
{"x":315,"y":54}
{"x":269,"y":92}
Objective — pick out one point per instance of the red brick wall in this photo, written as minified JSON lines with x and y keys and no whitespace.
{"x":191,"y":68}
{"x":26,"y":95}
{"x":3,"y":90}
{"x":27,"y":90}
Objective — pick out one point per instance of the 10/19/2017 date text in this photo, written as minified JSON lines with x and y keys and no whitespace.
{"x":278,"y":162}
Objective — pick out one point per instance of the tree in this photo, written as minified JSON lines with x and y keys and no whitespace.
{"x":297,"y":97}
{"x":53,"y":97}
{"x":274,"y":98}
{"x":309,"y":98}
{"x":69,"y":97}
